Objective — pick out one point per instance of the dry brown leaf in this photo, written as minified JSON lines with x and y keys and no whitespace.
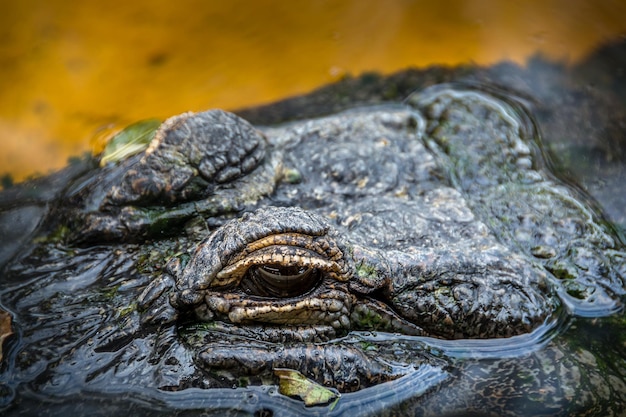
{"x":5,"y":328}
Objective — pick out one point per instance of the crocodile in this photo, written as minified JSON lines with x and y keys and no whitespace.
{"x":363,"y":249}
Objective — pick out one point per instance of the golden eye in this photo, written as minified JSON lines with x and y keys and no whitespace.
{"x":280,"y":281}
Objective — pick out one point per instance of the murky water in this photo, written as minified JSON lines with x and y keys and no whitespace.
{"x":70,"y":74}
{"x":132,"y":63}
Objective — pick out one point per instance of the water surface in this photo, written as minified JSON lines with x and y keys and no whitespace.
{"x":71,"y":74}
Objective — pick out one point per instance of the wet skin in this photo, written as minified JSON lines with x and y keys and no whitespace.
{"x":232,"y":250}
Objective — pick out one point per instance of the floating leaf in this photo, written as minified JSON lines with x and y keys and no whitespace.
{"x":5,"y":328}
{"x":130,"y":141}
{"x":293,"y":383}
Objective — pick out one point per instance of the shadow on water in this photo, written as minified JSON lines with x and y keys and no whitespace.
{"x":569,"y":366}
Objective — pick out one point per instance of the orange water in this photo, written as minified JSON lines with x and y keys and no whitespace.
{"x":74,"y":71}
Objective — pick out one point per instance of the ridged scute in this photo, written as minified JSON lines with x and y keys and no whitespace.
{"x":191,"y":156}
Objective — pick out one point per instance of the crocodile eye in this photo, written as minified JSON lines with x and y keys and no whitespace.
{"x":280,"y":281}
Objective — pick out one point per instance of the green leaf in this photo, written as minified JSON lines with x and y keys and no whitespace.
{"x":130,"y":141}
{"x":294,"y":384}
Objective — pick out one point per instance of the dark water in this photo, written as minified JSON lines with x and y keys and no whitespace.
{"x":569,"y":366}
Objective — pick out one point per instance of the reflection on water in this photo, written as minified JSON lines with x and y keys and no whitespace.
{"x":69,"y":72}
{"x":137,"y":62}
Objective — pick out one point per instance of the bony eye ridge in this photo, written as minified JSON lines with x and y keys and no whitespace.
{"x":280,"y":281}
{"x":282,"y":265}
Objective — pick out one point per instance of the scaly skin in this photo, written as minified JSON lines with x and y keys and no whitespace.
{"x":224,"y":251}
